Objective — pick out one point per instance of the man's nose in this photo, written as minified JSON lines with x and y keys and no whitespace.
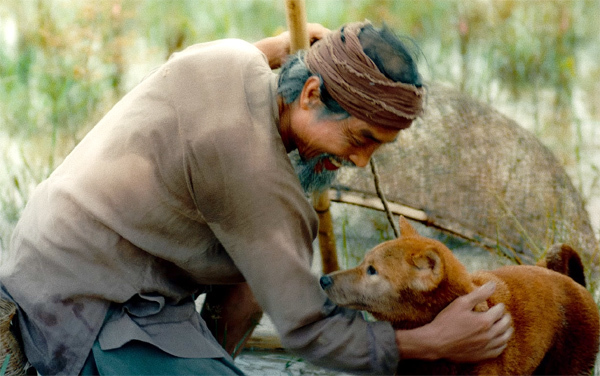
{"x":362,"y":157}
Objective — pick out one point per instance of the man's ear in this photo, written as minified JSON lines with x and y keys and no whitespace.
{"x":428,"y":270}
{"x":311,"y":92}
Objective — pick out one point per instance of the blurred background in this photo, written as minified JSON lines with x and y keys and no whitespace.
{"x":64,"y":63}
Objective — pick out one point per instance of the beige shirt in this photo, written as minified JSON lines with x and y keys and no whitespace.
{"x":185,"y":183}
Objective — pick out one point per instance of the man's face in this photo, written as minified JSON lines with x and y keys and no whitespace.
{"x":349,"y":139}
{"x":324,"y":145}
{"x":313,"y":177}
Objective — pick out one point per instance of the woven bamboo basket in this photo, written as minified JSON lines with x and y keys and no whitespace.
{"x":10,"y":346}
{"x":477,"y":174}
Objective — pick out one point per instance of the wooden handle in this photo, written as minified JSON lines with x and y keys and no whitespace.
{"x":296,"y":20}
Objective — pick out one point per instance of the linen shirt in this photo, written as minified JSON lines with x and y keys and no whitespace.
{"x":184,"y":184}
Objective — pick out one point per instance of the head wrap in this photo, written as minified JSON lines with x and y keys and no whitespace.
{"x":356,"y":83}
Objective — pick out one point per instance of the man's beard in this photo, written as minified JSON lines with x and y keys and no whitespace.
{"x":313,"y":175}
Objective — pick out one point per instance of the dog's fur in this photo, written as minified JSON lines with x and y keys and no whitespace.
{"x":408,"y":281}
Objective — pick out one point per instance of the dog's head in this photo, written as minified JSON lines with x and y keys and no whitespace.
{"x":399,"y":280}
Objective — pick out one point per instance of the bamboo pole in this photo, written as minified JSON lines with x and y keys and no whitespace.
{"x":296,"y":21}
{"x":327,"y":247}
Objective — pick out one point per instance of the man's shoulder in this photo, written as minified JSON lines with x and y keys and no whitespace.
{"x":229,"y":51}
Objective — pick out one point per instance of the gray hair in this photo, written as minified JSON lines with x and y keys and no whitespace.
{"x":392,"y":56}
{"x":292,"y":77}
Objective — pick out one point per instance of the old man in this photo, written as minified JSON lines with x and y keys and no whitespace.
{"x":185,"y":187}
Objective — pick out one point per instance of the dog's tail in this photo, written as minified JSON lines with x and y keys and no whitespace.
{"x":564,"y":259}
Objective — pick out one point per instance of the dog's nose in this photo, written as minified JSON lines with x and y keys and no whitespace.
{"x":326,"y":281}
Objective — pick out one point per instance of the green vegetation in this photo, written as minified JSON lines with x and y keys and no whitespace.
{"x":63,"y":64}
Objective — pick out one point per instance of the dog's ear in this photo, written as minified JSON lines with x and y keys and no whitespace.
{"x":428,"y":270}
{"x":406,"y":230}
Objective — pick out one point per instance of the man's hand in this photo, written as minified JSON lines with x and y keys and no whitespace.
{"x":277,"y":48}
{"x":460,"y":334}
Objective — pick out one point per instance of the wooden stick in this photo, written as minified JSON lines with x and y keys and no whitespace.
{"x":384,"y":202}
{"x":327,"y":247}
{"x":296,"y":21}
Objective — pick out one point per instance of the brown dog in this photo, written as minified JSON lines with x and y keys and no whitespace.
{"x":408,"y":281}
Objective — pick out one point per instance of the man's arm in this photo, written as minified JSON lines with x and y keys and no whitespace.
{"x":458,"y":333}
{"x":277,"y":48}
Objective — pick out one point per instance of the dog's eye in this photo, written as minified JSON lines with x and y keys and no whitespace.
{"x":371,"y":270}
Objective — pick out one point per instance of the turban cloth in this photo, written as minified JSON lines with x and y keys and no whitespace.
{"x":355,"y":82}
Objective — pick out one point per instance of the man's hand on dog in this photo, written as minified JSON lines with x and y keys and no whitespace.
{"x":459,"y":333}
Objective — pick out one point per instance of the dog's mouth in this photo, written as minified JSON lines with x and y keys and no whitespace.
{"x":344,"y":301}
{"x":358,"y":306}
{"x":352,"y":305}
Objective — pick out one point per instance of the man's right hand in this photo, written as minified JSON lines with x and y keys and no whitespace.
{"x":460,"y":334}
{"x":277,"y":48}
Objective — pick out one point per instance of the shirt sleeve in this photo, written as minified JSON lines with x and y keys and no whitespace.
{"x":245,"y":188}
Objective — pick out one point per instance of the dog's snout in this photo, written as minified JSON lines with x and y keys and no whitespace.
{"x":326,"y":281}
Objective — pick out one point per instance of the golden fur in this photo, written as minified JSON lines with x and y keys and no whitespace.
{"x":408,"y":281}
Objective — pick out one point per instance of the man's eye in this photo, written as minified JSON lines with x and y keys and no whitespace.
{"x":356,"y":142}
{"x":371,"y":270}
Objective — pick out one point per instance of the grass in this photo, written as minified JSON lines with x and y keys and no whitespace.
{"x":68,"y":63}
